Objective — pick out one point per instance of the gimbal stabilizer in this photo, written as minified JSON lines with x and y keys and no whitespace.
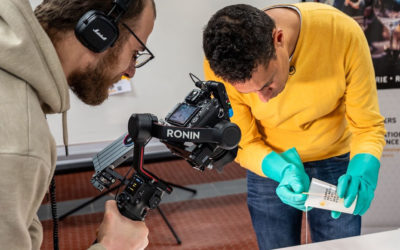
{"x":204,"y":137}
{"x":144,"y":189}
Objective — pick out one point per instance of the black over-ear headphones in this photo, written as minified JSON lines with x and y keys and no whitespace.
{"x":98,"y":31}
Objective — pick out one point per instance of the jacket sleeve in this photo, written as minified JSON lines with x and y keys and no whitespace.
{"x":252,"y":148}
{"x":361,"y":98}
{"x":36,"y":232}
{"x":23,"y":183}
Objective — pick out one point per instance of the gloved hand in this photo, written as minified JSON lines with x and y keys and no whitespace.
{"x":288,"y":170}
{"x":359,"y":181}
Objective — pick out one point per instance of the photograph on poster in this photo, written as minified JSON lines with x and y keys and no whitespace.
{"x":380,"y":20}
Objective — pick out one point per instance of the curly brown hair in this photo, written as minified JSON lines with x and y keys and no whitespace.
{"x":59,"y":16}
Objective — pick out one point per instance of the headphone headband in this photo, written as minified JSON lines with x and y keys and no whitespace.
{"x":121,"y":6}
{"x":98,"y":31}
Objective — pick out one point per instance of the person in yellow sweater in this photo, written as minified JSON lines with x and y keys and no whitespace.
{"x":301,"y":83}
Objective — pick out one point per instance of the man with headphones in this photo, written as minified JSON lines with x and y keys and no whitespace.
{"x":302,"y":87}
{"x":83,"y":45}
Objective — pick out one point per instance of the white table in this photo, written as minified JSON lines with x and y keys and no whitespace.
{"x":389,"y":240}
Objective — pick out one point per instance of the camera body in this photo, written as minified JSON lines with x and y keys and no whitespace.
{"x":198,"y":110}
{"x":207,"y":106}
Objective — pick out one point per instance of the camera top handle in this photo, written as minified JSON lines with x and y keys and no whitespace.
{"x":218,"y":91}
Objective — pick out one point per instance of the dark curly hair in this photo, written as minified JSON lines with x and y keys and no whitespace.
{"x":236,"y":40}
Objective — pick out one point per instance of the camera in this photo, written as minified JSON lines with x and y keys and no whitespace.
{"x":198,"y":130}
{"x":198,"y":109}
{"x":207,"y":106}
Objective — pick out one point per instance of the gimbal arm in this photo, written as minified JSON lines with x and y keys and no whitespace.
{"x":214,"y":146}
{"x":142,"y":127}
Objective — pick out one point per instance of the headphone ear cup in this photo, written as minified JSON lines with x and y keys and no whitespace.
{"x":96,"y":31}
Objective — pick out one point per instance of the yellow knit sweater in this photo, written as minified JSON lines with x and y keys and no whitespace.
{"x":329,"y":105}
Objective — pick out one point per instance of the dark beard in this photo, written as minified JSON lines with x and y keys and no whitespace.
{"x":91,"y":85}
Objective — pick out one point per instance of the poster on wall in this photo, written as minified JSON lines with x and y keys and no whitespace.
{"x":380,"y":21}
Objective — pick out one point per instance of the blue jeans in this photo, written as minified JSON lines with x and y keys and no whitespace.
{"x":279,"y":225}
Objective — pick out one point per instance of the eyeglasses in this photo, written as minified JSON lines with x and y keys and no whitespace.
{"x":142,"y":57}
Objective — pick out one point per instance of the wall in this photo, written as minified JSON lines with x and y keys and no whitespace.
{"x":176,"y":42}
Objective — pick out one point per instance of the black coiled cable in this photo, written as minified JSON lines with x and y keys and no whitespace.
{"x":53,"y":205}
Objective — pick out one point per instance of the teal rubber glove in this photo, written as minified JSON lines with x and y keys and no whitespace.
{"x":359,"y":181}
{"x":288,"y":170}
